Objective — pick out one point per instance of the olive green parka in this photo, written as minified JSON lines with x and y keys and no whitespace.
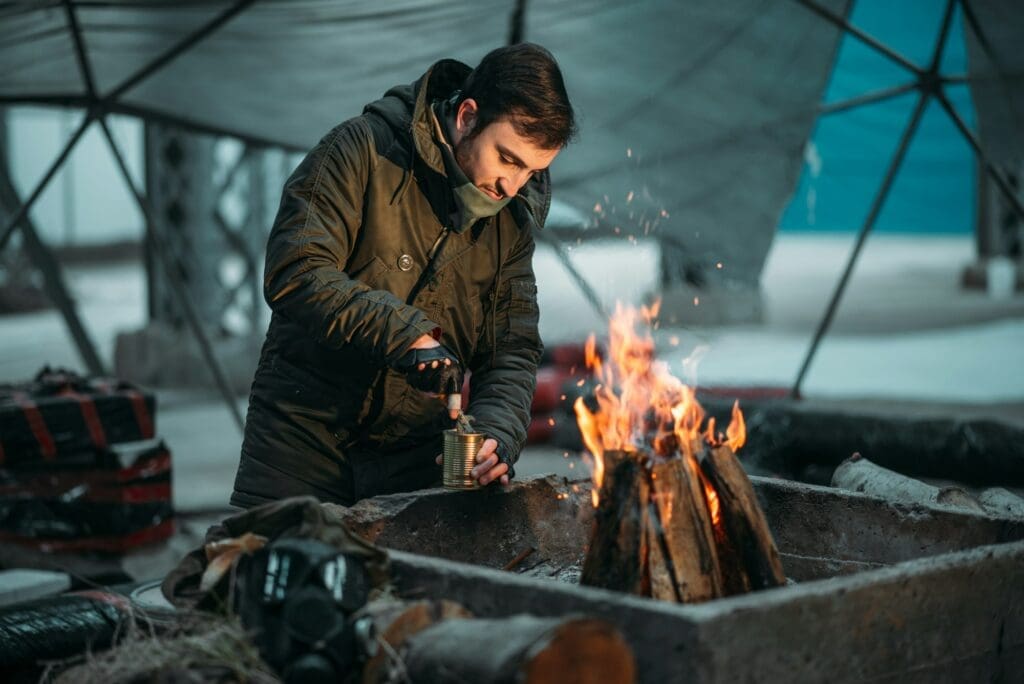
{"x":351,"y":285}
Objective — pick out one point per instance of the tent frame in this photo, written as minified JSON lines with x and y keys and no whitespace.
{"x":929,"y":82}
{"x":97,"y":108}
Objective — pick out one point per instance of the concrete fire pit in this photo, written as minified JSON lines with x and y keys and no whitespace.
{"x":881,"y":591}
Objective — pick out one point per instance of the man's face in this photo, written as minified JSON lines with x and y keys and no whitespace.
{"x":498,"y":160}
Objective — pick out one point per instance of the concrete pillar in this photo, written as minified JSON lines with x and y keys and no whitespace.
{"x":184,"y":192}
{"x":998,"y":231}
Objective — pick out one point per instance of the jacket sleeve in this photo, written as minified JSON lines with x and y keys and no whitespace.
{"x":504,"y":370}
{"x":320,"y":215}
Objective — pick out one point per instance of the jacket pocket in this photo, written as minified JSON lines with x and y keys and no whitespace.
{"x":523,"y":312}
{"x":370,"y":272}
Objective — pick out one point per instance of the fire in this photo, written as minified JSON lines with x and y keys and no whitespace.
{"x":714,"y":507}
{"x":641,"y":408}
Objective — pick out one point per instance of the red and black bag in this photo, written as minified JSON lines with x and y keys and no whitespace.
{"x":122,"y":499}
{"x":60,"y":415}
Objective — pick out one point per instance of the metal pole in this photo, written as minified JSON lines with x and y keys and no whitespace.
{"x":83,"y":61}
{"x":876,"y":208}
{"x":866,"y":99}
{"x":516,"y":28}
{"x":175,"y":50}
{"x":53,"y":280}
{"x":940,"y":44}
{"x":581,"y":282}
{"x":842,"y":23}
{"x":26,"y":206}
{"x":177,"y":287}
{"x":1001,"y":182}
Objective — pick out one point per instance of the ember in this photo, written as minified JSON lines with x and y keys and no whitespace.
{"x":676,"y":515}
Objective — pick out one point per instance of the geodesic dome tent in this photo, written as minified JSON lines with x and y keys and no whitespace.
{"x":694,"y":115}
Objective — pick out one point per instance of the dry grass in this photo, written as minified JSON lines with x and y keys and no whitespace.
{"x":196,"y":648}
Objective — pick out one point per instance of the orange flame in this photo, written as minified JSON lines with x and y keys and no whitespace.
{"x":714,"y":507}
{"x":641,"y":406}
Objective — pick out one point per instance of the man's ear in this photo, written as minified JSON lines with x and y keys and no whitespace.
{"x":465,"y":117}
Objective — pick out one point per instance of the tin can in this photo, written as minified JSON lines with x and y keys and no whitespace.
{"x":460,"y":450}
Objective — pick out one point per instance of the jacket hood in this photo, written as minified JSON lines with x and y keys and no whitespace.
{"x":406,"y":109}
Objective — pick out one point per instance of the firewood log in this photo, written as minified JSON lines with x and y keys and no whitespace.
{"x":858,"y":474}
{"x":1002,"y":503}
{"x":520,"y":649}
{"x":652,"y":532}
{"x":394,"y":622}
{"x":748,"y":537}
{"x":616,"y":556}
{"x":683,"y":528}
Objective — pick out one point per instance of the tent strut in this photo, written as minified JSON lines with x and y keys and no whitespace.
{"x":563,"y":256}
{"x":844,"y":24}
{"x":177,"y":287}
{"x":26,"y":206}
{"x":869,"y":222}
{"x":867,"y":98}
{"x":174,"y":51}
{"x":83,"y":62}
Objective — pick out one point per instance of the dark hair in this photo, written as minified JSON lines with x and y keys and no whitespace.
{"x":522,"y":82}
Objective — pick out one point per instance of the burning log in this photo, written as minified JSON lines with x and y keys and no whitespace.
{"x":652,"y":533}
{"x":673,"y":531}
{"x":675,"y":520}
{"x":750,"y":558}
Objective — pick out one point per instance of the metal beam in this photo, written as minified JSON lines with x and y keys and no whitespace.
{"x":53,"y":280}
{"x":845,"y":25}
{"x":177,"y":287}
{"x":516,"y":28}
{"x":175,"y":51}
{"x":940,"y":43}
{"x":1001,"y":182}
{"x":869,"y":222}
{"x":26,"y":206}
{"x":880,"y":95}
{"x":83,"y":59}
{"x":563,"y":256}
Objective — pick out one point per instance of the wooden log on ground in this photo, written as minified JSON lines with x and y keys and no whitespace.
{"x":1002,"y":502}
{"x":520,"y":649}
{"x":755,"y":562}
{"x":394,"y":622}
{"x":858,"y":474}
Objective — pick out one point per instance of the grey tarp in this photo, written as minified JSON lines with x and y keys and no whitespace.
{"x":997,"y":78}
{"x":714,"y":100}
{"x":695,"y":116}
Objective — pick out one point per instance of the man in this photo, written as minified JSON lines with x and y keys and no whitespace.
{"x":400,"y":256}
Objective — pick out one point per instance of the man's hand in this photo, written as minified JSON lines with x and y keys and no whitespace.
{"x":488,"y":468}
{"x":430,"y":367}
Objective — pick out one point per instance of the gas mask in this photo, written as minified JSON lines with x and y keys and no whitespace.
{"x":297,"y":597}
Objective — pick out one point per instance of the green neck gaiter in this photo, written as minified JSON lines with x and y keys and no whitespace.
{"x":473,"y":203}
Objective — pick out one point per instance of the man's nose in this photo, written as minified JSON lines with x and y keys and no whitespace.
{"x":510,"y":185}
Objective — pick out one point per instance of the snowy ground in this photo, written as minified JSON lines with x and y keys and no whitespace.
{"x":906,"y":332}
